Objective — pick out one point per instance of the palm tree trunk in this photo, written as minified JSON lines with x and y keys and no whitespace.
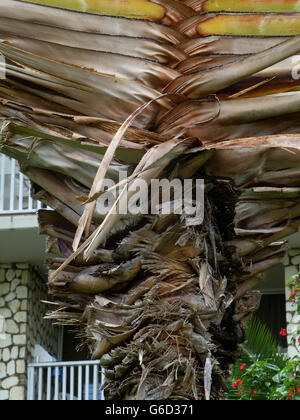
{"x":163,"y":301}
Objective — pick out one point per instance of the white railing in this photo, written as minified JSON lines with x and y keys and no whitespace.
{"x":15,"y":197}
{"x":64,"y":381}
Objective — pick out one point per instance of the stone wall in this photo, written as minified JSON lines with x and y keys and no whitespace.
{"x":21,"y":290}
{"x":39,"y":330}
{"x":292,"y":267}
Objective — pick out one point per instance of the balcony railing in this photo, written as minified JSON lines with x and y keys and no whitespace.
{"x":64,"y":381}
{"x":15,"y":195}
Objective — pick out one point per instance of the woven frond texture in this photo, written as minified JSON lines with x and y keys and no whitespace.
{"x":207,"y":90}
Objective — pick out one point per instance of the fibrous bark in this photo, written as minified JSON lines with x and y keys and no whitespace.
{"x":157,"y":90}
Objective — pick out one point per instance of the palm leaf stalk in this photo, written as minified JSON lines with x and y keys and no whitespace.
{"x":165,"y":89}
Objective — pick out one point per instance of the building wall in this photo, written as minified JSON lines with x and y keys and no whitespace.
{"x":21,"y":311}
{"x":39,"y":330}
{"x":292,"y":267}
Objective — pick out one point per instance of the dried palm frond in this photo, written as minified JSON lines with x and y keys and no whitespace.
{"x":156,"y":89}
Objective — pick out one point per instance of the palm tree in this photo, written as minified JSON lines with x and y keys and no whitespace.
{"x":159,"y":90}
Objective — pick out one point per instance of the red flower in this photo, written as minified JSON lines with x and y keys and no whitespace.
{"x":291,"y":395}
{"x":299,"y":389}
{"x":240,"y":392}
{"x":242,"y":367}
{"x":299,"y":340}
{"x":283,"y":332}
{"x":254,"y":393}
{"x":293,"y":300}
{"x":292,"y":294}
{"x":234,"y":385}
{"x":239,"y":382}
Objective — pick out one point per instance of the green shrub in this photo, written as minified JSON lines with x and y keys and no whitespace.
{"x":264,"y":371}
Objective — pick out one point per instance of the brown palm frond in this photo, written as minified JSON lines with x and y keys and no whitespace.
{"x":156,"y":89}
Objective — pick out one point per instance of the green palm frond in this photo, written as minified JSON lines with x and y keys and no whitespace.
{"x":260,"y":345}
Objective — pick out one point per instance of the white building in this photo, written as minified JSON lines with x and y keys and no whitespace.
{"x":37,"y":360}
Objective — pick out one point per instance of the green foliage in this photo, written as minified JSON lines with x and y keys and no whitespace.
{"x":288,"y":382}
{"x":260,"y":345}
{"x":264,"y":371}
